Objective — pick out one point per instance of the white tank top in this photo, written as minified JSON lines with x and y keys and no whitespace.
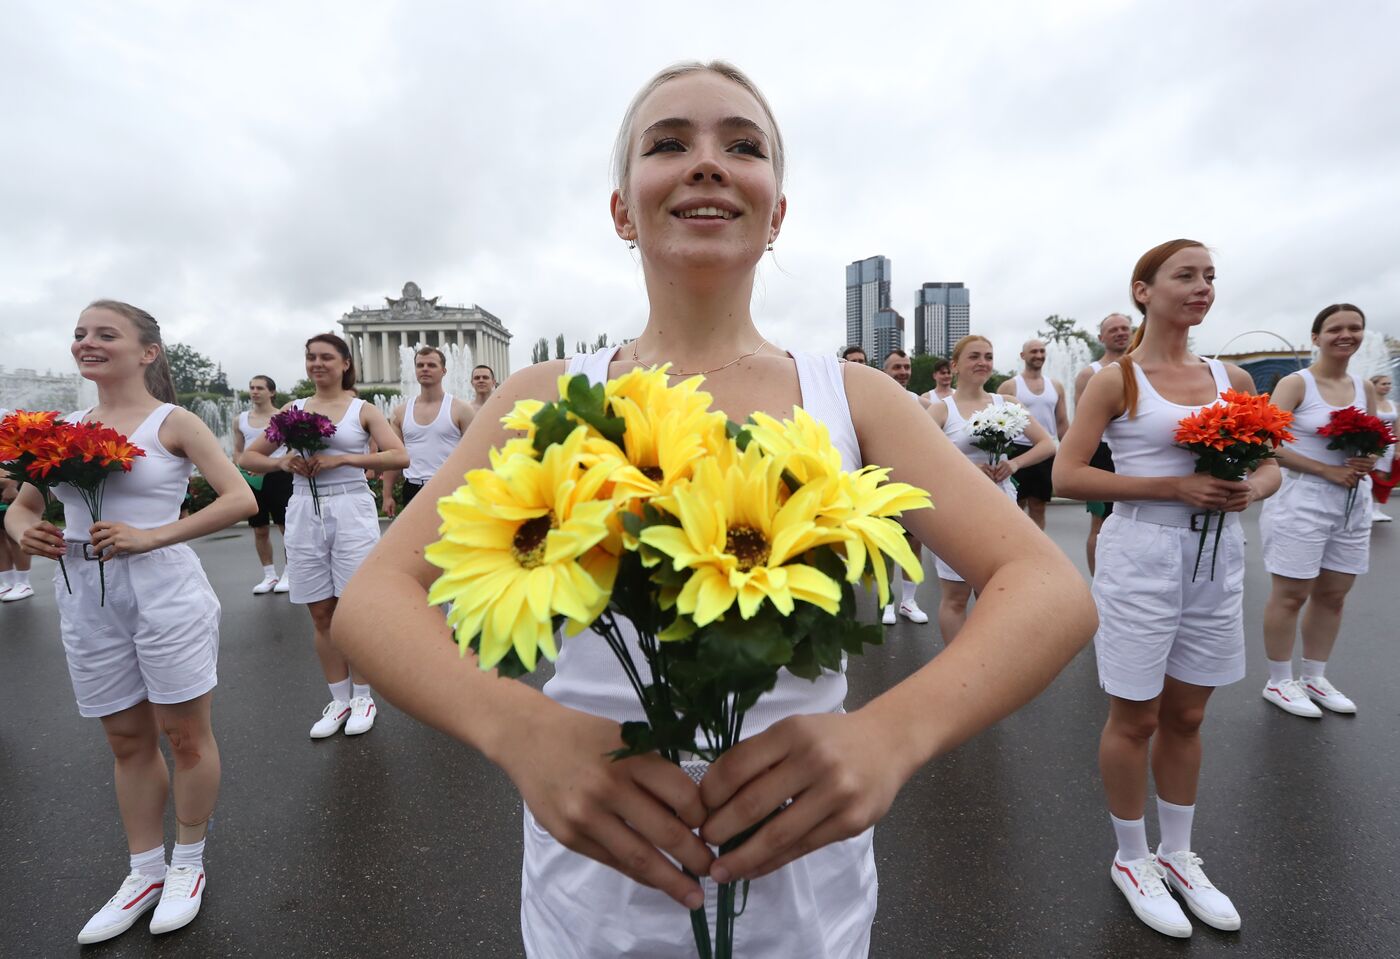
{"x":349,"y":437}
{"x":429,"y":446}
{"x":958,"y":429}
{"x":587,"y":675}
{"x":1145,"y":444}
{"x":1387,"y":460}
{"x":1041,"y":406}
{"x":1315,"y":412}
{"x":251,"y":433}
{"x":147,"y":497}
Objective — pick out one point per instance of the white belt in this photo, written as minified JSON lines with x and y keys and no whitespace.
{"x":334,"y":489}
{"x":1173,"y":515}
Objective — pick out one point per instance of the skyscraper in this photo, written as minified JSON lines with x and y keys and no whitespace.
{"x":889,"y":335}
{"x":867,"y":292}
{"x":942,"y":316}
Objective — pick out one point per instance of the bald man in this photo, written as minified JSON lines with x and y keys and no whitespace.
{"x":1045,"y":400}
{"x":1115,"y":333}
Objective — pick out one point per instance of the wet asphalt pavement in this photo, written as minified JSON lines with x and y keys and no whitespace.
{"x":401,"y":843}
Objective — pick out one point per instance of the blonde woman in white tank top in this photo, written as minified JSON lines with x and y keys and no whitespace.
{"x":1313,"y":549}
{"x":1167,"y":637}
{"x":143,"y":662}
{"x":326,"y":542}
{"x":699,"y":191}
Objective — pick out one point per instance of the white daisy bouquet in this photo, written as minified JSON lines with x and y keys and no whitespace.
{"x":995,"y":429}
{"x":730,"y":551}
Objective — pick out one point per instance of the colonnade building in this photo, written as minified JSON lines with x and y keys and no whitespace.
{"x":376,"y":333}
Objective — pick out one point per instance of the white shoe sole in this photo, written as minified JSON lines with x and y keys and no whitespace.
{"x":1223,"y":923}
{"x":111,"y":932}
{"x":179,"y":922}
{"x":920,"y":618}
{"x":1152,"y":922}
{"x":1344,"y":710}
{"x":1296,"y":709}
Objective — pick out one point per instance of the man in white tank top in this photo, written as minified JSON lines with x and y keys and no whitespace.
{"x":483,"y":385}
{"x":900,"y":369}
{"x":1044,"y":399}
{"x":1116,"y":335}
{"x":430,"y":425}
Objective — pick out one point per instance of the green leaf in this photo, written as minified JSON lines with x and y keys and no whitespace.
{"x":588,"y":402}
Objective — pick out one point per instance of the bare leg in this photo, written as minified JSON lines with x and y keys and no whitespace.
{"x":1281,"y":616}
{"x":262,"y":542}
{"x":1123,"y":752}
{"x":1323,"y":616}
{"x":282,"y":531}
{"x":334,"y":666}
{"x":1092,"y":545}
{"x":952,"y":608}
{"x":1176,"y":749}
{"x":141,"y":777}
{"x":197,"y":767}
{"x":1035,"y":508}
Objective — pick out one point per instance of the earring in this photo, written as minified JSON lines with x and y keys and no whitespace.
{"x":770,"y":248}
{"x":631,"y":244}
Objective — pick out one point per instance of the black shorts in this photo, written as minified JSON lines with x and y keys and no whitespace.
{"x":272,"y":499}
{"x":1103,"y":460}
{"x":1033,"y":482}
{"x":410,"y":490}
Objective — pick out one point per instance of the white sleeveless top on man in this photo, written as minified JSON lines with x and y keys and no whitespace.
{"x":148,"y":497}
{"x":587,"y":675}
{"x":959,"y":430}
{"x":1387,"y":460}
{"x":1041,"y":406}
{"x":349,"y":438}
{"x":251,"y":433}
{"x":1313,"y":413}
{"x":1144,"y":445}
{"x":429,"y":446}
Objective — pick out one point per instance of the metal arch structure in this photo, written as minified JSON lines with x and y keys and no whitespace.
{"x":1297,"y":356}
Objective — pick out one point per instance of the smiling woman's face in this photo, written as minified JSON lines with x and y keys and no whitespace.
{"x":701,"y":189}
{"x":106,"y":346}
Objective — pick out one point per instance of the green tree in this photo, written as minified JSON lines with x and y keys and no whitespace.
{"x":1062,"y":329}
{"x":191,"y":370}
{"x":921,"y":379}
{"x":559,"y":347}
{"x":540,"y":351}
{"x":303,"y":388}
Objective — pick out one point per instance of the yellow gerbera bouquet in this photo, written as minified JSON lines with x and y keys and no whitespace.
{"x":731,"y":550}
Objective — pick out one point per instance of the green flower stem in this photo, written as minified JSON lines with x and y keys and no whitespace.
{"x":63,"y":567}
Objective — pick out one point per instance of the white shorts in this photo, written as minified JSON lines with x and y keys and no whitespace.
{"x":947,"y":572}
{"x":1305,"y":528}
{"x":324,"y":552}
{"x":818,"y":907}
{"x":1153,"y":620}
{"x":156,"y":638}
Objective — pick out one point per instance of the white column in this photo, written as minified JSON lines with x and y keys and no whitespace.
{"x":383,"y":372}
{"x":372,"y":356}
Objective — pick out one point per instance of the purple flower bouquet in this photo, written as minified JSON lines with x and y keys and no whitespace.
{"x":304,"y":434}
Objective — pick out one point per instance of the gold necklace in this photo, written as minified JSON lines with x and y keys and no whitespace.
{"x":703,"y":372}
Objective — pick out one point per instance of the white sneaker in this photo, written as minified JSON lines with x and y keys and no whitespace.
{"x":332,"y":718}
{"x":180,"y":900}
{"x":266,"y":586}
{"x":4,"y":588}
{"x":1378,"y":517}
{"x":1323,"y":693}
{"x":1186,"y":877}
{"x":138,"y":894}
{"x":912,"y":612}
{"x":887,"y":617}
{"x":1140,"y":882}
{"x":16,"y":593}
{"x":284,"y":585}
{"x":362,"y":713}
{"x":1290,"y":697}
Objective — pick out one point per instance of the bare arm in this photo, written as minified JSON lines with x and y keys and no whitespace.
{"x":390,"y":477}
{"x":1081,"y":380}
{"x":1042,"y":448}
{"x":255,"y":458}
{"x":1008,"y":387}
{"x":1061,"y":414}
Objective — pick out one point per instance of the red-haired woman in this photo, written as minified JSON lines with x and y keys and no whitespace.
{"x":1314,"y":547}
{"x":325,"y":548}
{"x":144,"y":660}
{"x":1166,"y":637}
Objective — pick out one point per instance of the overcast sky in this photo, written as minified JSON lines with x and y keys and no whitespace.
{"x":249,"y":172}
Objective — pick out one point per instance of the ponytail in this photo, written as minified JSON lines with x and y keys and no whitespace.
{"x":159,"y":382}
{"x":1130,"y":388}
{"x":1146,"y":272}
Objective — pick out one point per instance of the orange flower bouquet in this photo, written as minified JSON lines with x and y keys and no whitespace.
{"x":40,"y":449}
{"x":1230,"y":438}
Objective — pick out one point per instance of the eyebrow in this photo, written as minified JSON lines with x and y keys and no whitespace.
{"x":680,"y":123}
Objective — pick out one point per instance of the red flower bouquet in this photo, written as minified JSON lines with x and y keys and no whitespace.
{"x":32,"y":444}
{"x":305,"y":434}
{"x":1357,"y":433}
{"x":1229,"y":438}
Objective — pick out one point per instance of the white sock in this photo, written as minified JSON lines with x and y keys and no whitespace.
{"x":20,"y":577}
{"x":150,"y":863}
{"x":1314,"y":669}
{"x":188,"y":854}
{"x":909,"y":590}
{"x":7,"y":578}
{"x":1132,"y":838}
{"x":359,"y":691}
{"x":1175,"y":822}
{"x":340,"y":690}
{"x":269,"y":571}
{"x":1280,"y":672}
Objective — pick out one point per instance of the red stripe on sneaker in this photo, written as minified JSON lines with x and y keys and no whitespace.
{"x":344,"y":714}
{"x":197,"y":883}
{"x":1275,"y":689}
{"x":1175,"y":873}
{"x":149,"y":889}
{"x":1316,"y":690}
{"x":1129,"y":873}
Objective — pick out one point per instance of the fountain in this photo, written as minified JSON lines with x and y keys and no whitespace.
{"x":1063,"y":361}
{"x":458,"y":380}
{"x":221,"y":416}
{"x":26,"y":389}
{"x":1372,"y":358}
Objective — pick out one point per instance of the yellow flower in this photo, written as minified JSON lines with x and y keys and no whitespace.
{"x":738,"y":531}
{"x":521,"y":416}
{"x":669,"y":429}
{"x":802,"y":440}
{"x":862,"y":505}
{"x":518,"y":547}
